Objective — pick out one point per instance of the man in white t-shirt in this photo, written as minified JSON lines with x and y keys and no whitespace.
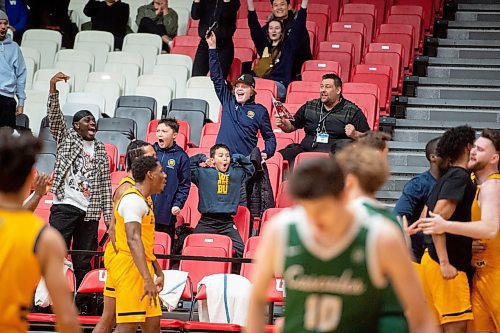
{"x":82,"y":185}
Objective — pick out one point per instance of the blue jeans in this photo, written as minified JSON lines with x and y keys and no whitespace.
{"x":281,"y":90}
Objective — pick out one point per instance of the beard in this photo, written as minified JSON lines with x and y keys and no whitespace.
{"x":478,"y":165}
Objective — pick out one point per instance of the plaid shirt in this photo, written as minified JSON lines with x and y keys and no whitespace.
{"x":69,"y":147}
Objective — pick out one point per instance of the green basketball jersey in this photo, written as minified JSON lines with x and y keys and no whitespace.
{"x":393,"y":319}
{"x":334,"y":290}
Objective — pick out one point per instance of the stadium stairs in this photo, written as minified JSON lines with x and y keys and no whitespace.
{"x":455,"y":82}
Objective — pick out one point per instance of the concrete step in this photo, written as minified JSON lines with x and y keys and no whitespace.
{"x":476,"y":25}
{"x":416,"y":135}
{"x":395,"y":183}
{"x":395,"y":146}
{"x":459,"y":115}
{"x":478,"y":2}
{"x":388,"y":196}
{"x":485,"y":73}
{"x":468,"y":53}
{"x":468,"y":83}
{"x":425,"y":124}
{"x":453,"y":104}
{"x":445,"y":42}
{"x":467,"y":34}
{"x":407,"y":171}
{"x":466,"y":62}
{"x":492,"y":94}
{"x":408,"y":159}
{"x":481,"y":7}
{"x":477,"y":16}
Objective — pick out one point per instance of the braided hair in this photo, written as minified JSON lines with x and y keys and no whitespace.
{"x":135,"y":149}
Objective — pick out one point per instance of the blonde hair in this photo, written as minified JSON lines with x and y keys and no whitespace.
{"x":367,"y":164}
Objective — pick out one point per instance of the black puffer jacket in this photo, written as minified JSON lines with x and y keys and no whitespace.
{"x":259,"y":191}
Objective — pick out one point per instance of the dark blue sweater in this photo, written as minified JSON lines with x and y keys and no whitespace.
{"x":221,"y":192}
{"x":175,"y":163}
{"x":282,"y":69}
{"x":240,"y":123}
{"x":18,"y":15}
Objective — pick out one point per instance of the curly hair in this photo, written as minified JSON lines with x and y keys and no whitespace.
{"x":452,"y":143}
{"x":135,"y":149}
{"x":17,"y":157}
{"x":142,"y":165}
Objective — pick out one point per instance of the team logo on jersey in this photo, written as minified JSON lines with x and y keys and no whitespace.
{"x":357,"y":255}
{"x":250,"y":114}
{"x":171,"y":163}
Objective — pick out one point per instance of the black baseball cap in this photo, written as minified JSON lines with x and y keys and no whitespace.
{"x":245,"y":79}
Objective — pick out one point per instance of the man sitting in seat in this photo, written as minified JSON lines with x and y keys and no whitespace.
{"x":330,"y":120}
{"x":221,"y":181}
{"x":157,"y":18}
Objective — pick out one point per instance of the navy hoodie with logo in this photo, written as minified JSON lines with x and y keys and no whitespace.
{"x":175,"y":163}
{"x":240,"y":123}
{"x":221,"y":192}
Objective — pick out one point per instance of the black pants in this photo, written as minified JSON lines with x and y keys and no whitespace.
{"x":7,"y":111}
{"x":168,"y":229}
{"x":147,"y":25}
{"x":225,"y":49}
{"x":69,"y":221}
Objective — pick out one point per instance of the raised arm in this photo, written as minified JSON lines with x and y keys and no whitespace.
{"x":194,"y":164}
{"x":42,"y":186}
{"x":51,"y":252}
{"x":216,"y":75}
{"x":57,"y":124}
{"x":258,"y":34}
{"x":245,"y":163}
{"x":299,"y":27}
{"x":90,"y":8}
{"x":395,"y":262}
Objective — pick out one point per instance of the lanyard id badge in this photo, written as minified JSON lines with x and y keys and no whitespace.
{"x":322,"y":138}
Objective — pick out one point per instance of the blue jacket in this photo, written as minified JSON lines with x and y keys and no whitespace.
{"x":282,"y":69}
{"x":17,"y":11}
{"x":240,"y":123}
{"x":221,"y":192}
{"x":12,"y":71}
{"x":412,"y":202}
{"x":175,"y":163}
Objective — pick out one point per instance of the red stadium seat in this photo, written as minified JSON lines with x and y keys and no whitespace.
{"x":360,"y":8}
{"x":322,"y":66}
{"x":190,"y":51}
{"x":274,"y":177}
{"x":400,"y":34}
{"x":391,"y":59}
{"x":184,"y":127}
{"x":268,"y":214}
{"x":250,"y":248}
{"x":265,"y":97}
{"x":304,"y":86}
{"x":415,"y":21}
{"x":320,"y":14}
{"x":380,"y":5}
{"x":206,"y":245}
{"x":192,"y":203}
{"x":162,"y":245}
{"x":308,"y":155}
{"x":192,"y":31}
{"x":265,"y":84}
{"x":93,"y":282}
{"x":428,"y":10}
{"x":334,"y":7}
{"x":283,"y":200}
{"x":186,"y":41}
{"x":112,"y":153}
{"x":235,"y":69}
{"x":242,"y":221}
{"x":208,"y":140}
{"x":245,"y":54}
{"x":381,"y":76}
{"x":366,"y":19}
{"x":243,"y":34}
{"x":263,"y":9}
{"x":198,"y":150}
{"x":300,"y":97}
{"x":43,"y":208}
{"x":407,"y":10}
{"x":210,"y":128}
{"x":341,"y":52}
{"x":117,"y":176}
{"x":196,"y":326}
{"x":368,"y":103}
{"x":352,"y":32}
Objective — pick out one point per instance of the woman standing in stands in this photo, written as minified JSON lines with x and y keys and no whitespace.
{"x":218,"y":16}
{"x":277,"y":53}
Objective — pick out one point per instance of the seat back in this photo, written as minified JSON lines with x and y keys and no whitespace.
{"x":142,"y":116}
{"x":249,"y":253}
{"x":162,"y":245}
{"x":122,"y":125}
{"x":392,"y":60}
{"x":138,"y":101}
{"x":353,"y":32}
{"x":308,"y":155}
{"x":196,"y":119}
{"x":368,"y":103}
{"x":112,"y":153}
{"x":93,"y":282}
{"x":242,"y":221}
{"x":341,"y":52}
{"x":377,"y":74}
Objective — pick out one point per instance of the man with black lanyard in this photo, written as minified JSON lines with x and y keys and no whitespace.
{"x":218,"y":16}
{"x":329,"y":122}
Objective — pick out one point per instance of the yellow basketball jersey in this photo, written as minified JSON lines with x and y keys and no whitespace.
{"x":20,"y":271}
{"x":125,"y":180}
{"x":147,"y":228}
{"x":490,"y":256}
